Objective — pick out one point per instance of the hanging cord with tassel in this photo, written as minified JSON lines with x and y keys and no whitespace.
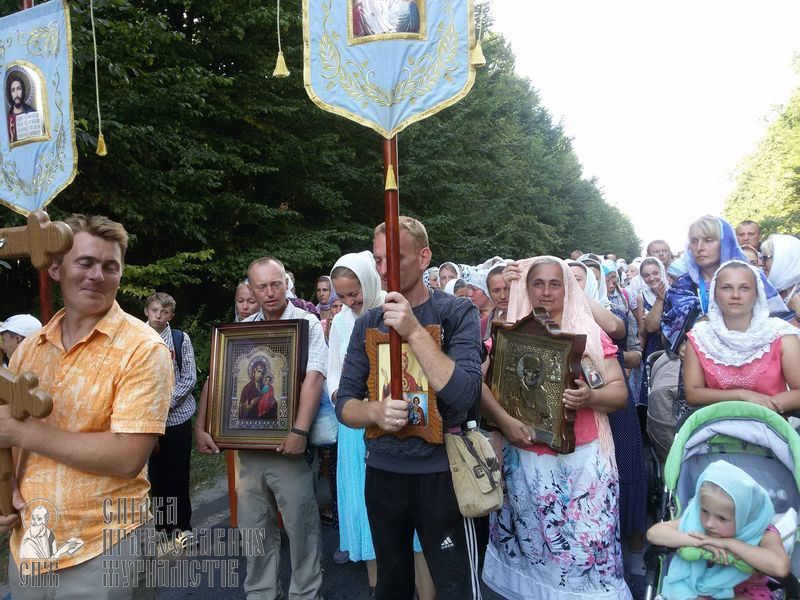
{"x":280,"y":64}
{"x":101,"y":141}
{"x":477,"y":59}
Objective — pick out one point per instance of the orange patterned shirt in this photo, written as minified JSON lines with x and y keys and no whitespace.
{"x":119,"y":378}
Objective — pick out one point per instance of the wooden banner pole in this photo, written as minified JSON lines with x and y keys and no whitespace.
{"x":45,"y":286}
{"x":391,"y":202}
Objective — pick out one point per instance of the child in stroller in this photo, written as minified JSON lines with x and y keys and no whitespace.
{"x":763,"y":445}
{"x":726,"y":540}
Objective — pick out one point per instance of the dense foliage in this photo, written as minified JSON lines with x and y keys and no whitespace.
{"x":768,"y":182}
{"x":213,"y":162}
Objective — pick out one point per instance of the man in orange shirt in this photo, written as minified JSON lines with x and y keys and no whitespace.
{"x":82,"y":469}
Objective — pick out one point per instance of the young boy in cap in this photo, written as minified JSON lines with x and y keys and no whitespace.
{"x":16,"y":329}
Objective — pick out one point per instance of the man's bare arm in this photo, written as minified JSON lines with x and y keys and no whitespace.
{"x":101,"y":453}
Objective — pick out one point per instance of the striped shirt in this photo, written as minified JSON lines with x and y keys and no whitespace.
{"x":182,"y":405}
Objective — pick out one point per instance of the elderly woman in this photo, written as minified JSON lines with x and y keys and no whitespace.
{"x":740,"y":352}
{"x":556,"y":535}
{"x":781,"y":254}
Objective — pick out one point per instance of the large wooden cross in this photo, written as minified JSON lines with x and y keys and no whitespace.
{"x":41,"y":240}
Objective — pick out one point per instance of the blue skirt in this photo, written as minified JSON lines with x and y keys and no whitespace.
{"x":355,"y":536}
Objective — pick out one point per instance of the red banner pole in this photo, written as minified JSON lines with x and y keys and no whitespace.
{"x":391,"y":203}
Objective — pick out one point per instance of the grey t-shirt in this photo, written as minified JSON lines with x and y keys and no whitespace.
{"x":462,"y":343}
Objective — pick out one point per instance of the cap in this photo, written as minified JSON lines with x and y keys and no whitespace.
{"x":23,"y":325}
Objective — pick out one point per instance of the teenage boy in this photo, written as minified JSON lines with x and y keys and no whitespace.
{"x":169,"y":463}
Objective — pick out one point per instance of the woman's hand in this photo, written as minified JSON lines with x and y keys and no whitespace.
{"x":516,"y":432}
{"x":660,"y":289}
{"x":512,"y":271}
{"x":577,"y":399}
{"x":757,"y":398}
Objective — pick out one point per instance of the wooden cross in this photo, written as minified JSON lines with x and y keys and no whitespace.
{"x":40,"y":239}
{"x":25,"y":400}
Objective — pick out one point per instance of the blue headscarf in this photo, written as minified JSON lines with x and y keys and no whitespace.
{"x":753,"y":513}
{"x":687,"y":298}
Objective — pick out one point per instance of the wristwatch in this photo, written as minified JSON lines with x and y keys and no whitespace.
{"x":300,"y":432}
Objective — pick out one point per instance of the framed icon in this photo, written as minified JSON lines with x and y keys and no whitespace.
{"x":25,"y":104}
{"x":424,"y":420}
{"x":378,"y":20}
{"x":531,"y":364}
{"x":257,"y":370}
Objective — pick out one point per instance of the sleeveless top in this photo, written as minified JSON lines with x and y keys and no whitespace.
{"x":763,"y":375}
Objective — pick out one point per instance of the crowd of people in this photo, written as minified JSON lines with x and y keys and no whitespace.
{"x":666,"y":333}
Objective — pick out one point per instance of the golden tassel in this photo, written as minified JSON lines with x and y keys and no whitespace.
{"x":477,"y":59}
{"x":101,"y":141}
{"x":280,"y":66}
{"x":101,"y":146}
{"x":391,"y":181}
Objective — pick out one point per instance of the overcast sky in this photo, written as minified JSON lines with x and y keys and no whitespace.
{"x":663,"y":99}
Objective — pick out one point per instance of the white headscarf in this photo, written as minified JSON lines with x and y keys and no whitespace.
{"x":736,"y":348}
{"x":785,"y":271}
{"x":590,"y":287}
{"x":477,"y":279}
{"x":647,"y":293}
{"x":451,"y":266}
{"x":601,"y":293}
{"x":363,"y":265}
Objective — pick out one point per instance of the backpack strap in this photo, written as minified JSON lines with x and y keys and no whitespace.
{"x":177,"y":343}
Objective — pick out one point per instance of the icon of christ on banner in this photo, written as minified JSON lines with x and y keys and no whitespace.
{"x":23,"y":98}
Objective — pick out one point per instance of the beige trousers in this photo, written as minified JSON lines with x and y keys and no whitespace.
{"x":269,"y":482}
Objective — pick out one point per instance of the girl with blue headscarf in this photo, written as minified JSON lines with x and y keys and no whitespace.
{"x":729,"y":517}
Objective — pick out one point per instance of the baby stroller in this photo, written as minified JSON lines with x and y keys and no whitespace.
{"x":753,"y":438}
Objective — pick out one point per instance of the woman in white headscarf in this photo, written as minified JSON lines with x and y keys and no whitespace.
{"x":448,"y":271}
{"x":358,"y":284}
{"x":781,"y":255}
{"x":598,"y":302}
{"x":740,"y":352}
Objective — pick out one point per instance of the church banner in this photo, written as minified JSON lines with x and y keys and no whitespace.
{"x":38,"y":157}
{"x":387,"y":63}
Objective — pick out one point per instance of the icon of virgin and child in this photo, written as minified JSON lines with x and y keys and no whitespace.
{"x":257,"y":400}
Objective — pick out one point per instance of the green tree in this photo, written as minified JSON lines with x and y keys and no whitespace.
{"x":768,"y":181}
{"x":212,"y":162}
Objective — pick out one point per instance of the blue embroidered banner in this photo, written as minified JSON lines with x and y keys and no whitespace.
{"x":387,"y":63}
{"x":38,"y":157}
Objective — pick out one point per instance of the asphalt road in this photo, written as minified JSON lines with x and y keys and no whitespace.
{"x":340,"y":582}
